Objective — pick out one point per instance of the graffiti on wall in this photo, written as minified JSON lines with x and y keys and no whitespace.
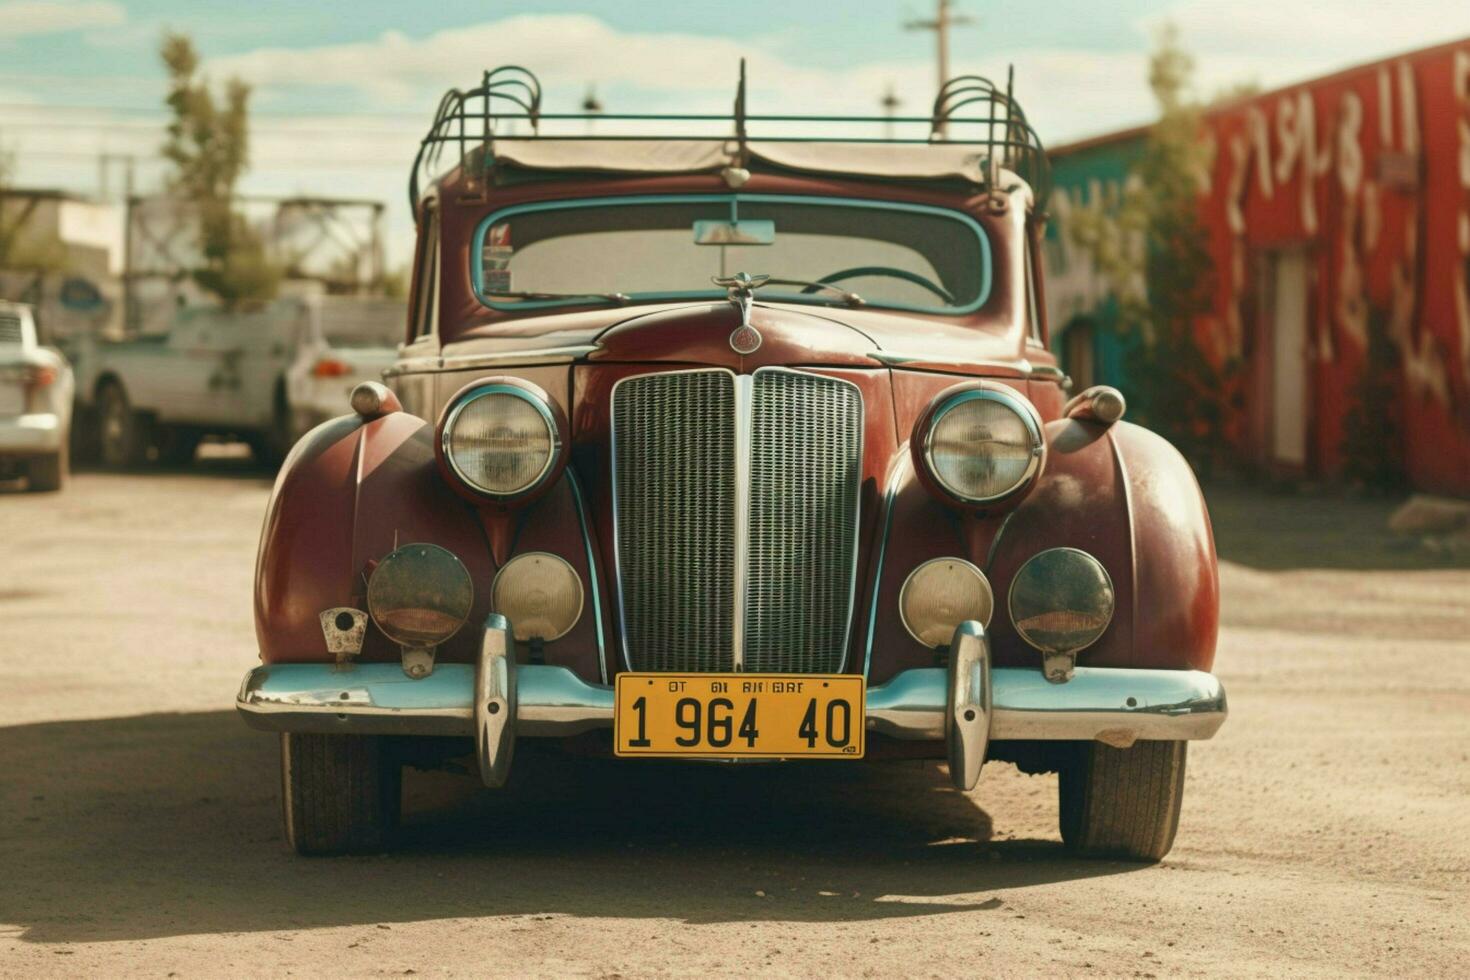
{"x":1344,"y":168}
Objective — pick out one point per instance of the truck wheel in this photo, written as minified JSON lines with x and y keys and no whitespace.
{"x":340,"y":794}
{"x":1122,"y":802}
{"x":47,"y":473}
{"x":120,"y":435}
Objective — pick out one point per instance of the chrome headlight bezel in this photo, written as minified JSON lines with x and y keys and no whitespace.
{"x":1013,"y":401}
{"x":496,"y":389}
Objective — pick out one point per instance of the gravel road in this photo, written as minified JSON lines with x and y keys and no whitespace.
{"x":1326,"y":830}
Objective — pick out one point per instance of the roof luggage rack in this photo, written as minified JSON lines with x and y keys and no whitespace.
{"x":508,"y":100}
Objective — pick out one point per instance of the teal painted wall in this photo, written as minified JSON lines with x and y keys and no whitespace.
{"x":1078,"y":300}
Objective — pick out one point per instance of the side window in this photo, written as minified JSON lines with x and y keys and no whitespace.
{"x":1033,"y":306}
{"x":426,"y":277}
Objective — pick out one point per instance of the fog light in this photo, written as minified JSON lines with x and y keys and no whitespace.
{"x":941,"y":594}
{"x":541,"y":595}
{"x":420,"y":595}
{"x":1061,"y":601}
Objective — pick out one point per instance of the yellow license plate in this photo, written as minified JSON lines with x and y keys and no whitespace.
{"x":751,"y":716}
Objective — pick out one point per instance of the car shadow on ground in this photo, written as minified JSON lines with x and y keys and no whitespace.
{"x":1280,"y":529}
{"x":163,"y":825}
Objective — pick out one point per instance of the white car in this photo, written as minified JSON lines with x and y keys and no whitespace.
{"x":264,"y":376}
{"x":35,"y":403}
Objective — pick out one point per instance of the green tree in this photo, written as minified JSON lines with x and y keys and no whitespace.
{"x":208,"y":144}
{"x":1164,"y":288}
{"x":21,"y":248}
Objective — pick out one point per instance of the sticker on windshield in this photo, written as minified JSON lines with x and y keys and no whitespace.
{"x":495,"y":259}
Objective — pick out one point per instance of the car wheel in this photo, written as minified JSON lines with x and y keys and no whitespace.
{"x":47,"y":473}
{"x":1122,"y":802}
{"x":119,"y":429}
{"x":340,"y":794}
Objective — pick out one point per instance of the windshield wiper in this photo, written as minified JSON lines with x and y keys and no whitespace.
{"x":848,"y":296}
{"x":619,"y":298}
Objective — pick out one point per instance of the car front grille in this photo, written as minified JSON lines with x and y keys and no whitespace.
{"x":714,"y":575}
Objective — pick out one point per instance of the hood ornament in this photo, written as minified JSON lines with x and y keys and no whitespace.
{"x":740,"y":289}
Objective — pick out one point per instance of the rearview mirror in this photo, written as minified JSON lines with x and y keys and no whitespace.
{"x":734,"y":232}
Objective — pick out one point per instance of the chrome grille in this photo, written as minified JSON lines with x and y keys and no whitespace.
{"x":674,"y":457}
{"x":679,"y":443}
{"x":806,"y":463}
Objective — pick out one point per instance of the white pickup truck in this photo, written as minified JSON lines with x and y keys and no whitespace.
{"x":265,"y":377}
{"x":35,"y":403}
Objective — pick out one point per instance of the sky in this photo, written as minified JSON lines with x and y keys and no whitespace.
{"x":344,"y":91}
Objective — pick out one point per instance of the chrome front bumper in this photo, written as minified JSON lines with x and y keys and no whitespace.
{"x":966,"y":705}
{"x":40,"y":432}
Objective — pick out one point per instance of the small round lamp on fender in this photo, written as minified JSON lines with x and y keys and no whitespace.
{"x":939,"y":595}
{"x":541,"y":595}
{"x":420,"y":595}
{"x":1061,"y":601}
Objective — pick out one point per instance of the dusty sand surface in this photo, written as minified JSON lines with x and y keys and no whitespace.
{"x":1326,"y":831}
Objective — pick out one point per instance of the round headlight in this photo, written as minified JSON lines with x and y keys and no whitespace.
{"x":1061,"y":600}
{"x":540,"y":594}
{"x":420,"y":595}
{"x":983,"y":444}
{"x":941,"y":594}
{"x":500,"y":440}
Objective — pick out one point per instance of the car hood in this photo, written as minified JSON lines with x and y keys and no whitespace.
{"x":790,"y":334}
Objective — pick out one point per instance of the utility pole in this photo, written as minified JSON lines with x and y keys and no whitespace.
{"x":592,"y":106}
{"x":890,"y":103}
{"x":944,"y":19}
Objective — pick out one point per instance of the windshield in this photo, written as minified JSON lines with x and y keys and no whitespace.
{"x":618,"y":249}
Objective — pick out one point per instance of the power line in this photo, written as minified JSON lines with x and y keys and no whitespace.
{"x":424,"y":117}
{"x":318,"y":163}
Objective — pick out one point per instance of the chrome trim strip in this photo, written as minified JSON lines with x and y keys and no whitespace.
{"x":467,"y":362}
{"x":744,"y":424}
{"x":895,"y":477}
{"x":1113,"y":704}
{"x":1022,"y":366}
{"x":591,"y":570}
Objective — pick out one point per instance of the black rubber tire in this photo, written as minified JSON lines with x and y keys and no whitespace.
{"x":121,"y":432}
{"x":1122,"y":803}
{"x":47,"y":474}
{"x":340,"y":794}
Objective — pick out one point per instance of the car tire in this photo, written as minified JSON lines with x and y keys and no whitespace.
{"x":340,"y":794}
{"x":1122,"y":803}
{"x":47,"y":474}
{"x":121,"y":439}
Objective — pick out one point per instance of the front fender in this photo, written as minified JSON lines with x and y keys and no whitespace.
{"x":348,"y":494}
{"x":1129,"y":498}
{"x":1118,"y":492}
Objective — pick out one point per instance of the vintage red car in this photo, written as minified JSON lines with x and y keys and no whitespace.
{"x":732,"y":447}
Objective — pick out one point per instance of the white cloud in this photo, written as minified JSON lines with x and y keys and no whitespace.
{"x":1065,"y":92}
{"x":19,"y":18}
{"x":1277,"y":42}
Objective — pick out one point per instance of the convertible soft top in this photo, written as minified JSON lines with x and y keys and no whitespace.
{"x":895,"y":161}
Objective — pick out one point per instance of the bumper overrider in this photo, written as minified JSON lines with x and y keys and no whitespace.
{"x":966,"y":705}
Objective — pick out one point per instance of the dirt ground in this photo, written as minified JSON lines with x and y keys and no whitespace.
{"x":1326,"y":830}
